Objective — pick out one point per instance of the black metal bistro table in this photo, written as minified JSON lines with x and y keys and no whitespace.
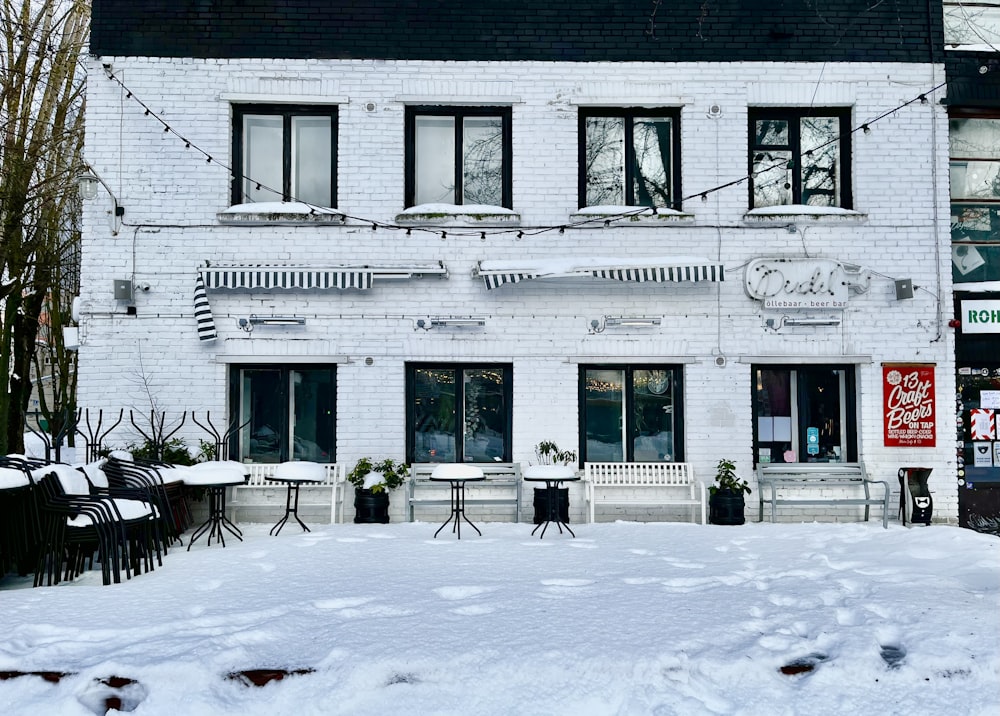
{"x":552,"y":476}
{"x":457,"y":474}
{"x":293,"y":475}
{"x":216,"y":477}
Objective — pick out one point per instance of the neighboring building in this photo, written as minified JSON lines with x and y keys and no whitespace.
{"x":972,"y":61}
{"x":418,"y":228}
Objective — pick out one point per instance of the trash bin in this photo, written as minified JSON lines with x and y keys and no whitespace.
{"x":913,"y":482}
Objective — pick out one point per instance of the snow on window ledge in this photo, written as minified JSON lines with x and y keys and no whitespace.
{"x":279,"y":212}
{"x":793,"y":213}
{"x":631,"y":214}
{"x":457,"y":215}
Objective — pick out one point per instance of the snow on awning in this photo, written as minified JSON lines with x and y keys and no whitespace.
{"x":672,"y":269}
{"x":279,"y":277}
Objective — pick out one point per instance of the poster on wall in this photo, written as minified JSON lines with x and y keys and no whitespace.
{"x":908,"y":404}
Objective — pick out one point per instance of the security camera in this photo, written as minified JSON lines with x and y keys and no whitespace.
{"x":144,"y":287}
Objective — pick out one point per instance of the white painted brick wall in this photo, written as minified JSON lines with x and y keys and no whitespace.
{"x":172,"y":196}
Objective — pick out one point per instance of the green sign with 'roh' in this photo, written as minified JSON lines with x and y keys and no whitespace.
{"x":980,"y":316}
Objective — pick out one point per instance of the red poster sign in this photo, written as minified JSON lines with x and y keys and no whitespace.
{"x":908,"y":404}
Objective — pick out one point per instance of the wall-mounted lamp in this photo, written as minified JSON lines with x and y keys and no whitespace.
{"x":776,"y":324}
{"x":451,"y":322}
{"x":247,"y":324}
{"x":88,"y":184}
{"x":632,"y":321}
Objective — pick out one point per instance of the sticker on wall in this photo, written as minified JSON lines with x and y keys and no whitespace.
{"x":983,"y":454}
{"x":996,"y":454}
{"x":981,"y":424}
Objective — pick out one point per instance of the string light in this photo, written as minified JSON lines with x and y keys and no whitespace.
{"x":865,"y":127}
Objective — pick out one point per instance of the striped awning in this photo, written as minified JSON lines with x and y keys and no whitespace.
{"x":496,"y":274}
{"x":203,"y":312}
{"x":286,"y":277}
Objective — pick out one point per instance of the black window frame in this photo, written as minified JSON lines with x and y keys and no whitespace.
{"x":235,"y":417}
{"x":794,"y":115}
{"x":677,"y":377}
{"x":629,"y":114}
{"x":458,"y":113}
{"x":457,"y":368}
{"x":286,"y":112}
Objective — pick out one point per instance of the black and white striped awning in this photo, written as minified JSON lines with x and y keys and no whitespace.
{"x":203,"y":312}
{"x":269,"y":278}
{"x":496,"y":274}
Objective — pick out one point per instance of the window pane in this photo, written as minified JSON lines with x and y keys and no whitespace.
{"x":482,"y":161}
{"x":820,"y":148}
{"x":314,"y":393}
{"x":434,"y":156}
{"x":262,"y":151}
{"x":312,"y":160}
{"x":773,"y":414}
{"x":485,"y":419}
{"x":652,"y":142}
{"x":605,"y":157}
{"x":772,"y":182}
{"x":974,"y":138}
{"x":975,"y":262}
{"x":971,"y":23}
{"x":434,"y":415}
{"x":263,"y":404}
{"x":604,"y":415}
{"x":771,"y":132}
{"x":654,"y":416}
{"x":975,"y":180}
{"x":820,"y":409}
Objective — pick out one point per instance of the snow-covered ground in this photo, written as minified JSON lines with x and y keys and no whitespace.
{"x":626,"y":619}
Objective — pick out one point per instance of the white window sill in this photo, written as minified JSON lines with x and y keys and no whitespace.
{"x":452,"y":215}
{"x":797,"y":213}
{"x":284,"y":213}
{"x":629,"y":215}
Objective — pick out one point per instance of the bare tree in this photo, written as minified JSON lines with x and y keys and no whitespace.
{"x":41,"y":144}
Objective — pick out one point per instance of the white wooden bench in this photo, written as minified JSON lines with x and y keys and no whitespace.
{"x":260,"y":492}
{"x":643,"y":483}
{"x":816,"y":484}
{"x":502,"y":486}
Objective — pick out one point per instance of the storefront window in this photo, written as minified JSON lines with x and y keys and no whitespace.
{"x":631,"y":414}
{"x":804,"y":414}
{"x":458,"y":413}
{"x":284,"y":413}
{"x":975,"y":197}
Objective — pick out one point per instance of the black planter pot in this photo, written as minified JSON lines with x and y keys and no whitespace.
{"x":371,"y":507}
{"x":544,"y":510}
{"x":725,"y":507}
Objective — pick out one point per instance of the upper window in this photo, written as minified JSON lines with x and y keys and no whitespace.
{"x":972,"y":23}
{"x":458,"y":155}
{"x":284,"y":153}
{"x":800,"y":156}
{"x":629,"y":158}
{"x":458,"y":413}
{"x":975,"y":197}
{"x":284,"y":413}
{"x":631,"y":414}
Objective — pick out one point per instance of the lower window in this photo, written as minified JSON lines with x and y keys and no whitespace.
{"x":804,"y":414}
{"x":631,"y":413}
{"x":283,"y":413}
{"x":458,"y":413}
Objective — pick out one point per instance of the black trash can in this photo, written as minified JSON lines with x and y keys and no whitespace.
{"x":921,"y":504}
{"x":545,"y":511}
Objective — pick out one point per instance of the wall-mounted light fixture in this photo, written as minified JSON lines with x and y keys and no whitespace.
{"x":88,"y":184}
{"x":451,"y":322}
{"x":632,"y":321}
{"x":776,"y":324}
{"x":247,"y":324}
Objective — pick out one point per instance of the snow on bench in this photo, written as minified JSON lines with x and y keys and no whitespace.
{"x":643,"y":483}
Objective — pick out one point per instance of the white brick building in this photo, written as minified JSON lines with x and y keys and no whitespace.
{"x":720,"y":374}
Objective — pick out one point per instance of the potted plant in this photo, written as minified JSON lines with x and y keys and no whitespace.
{"x":725,"y":504}
{"x":552,"y":463}
{"x":372,"y":482}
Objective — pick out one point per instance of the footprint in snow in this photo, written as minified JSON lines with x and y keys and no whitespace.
{"x":892,"y":654}
{"x":461,"y":592}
